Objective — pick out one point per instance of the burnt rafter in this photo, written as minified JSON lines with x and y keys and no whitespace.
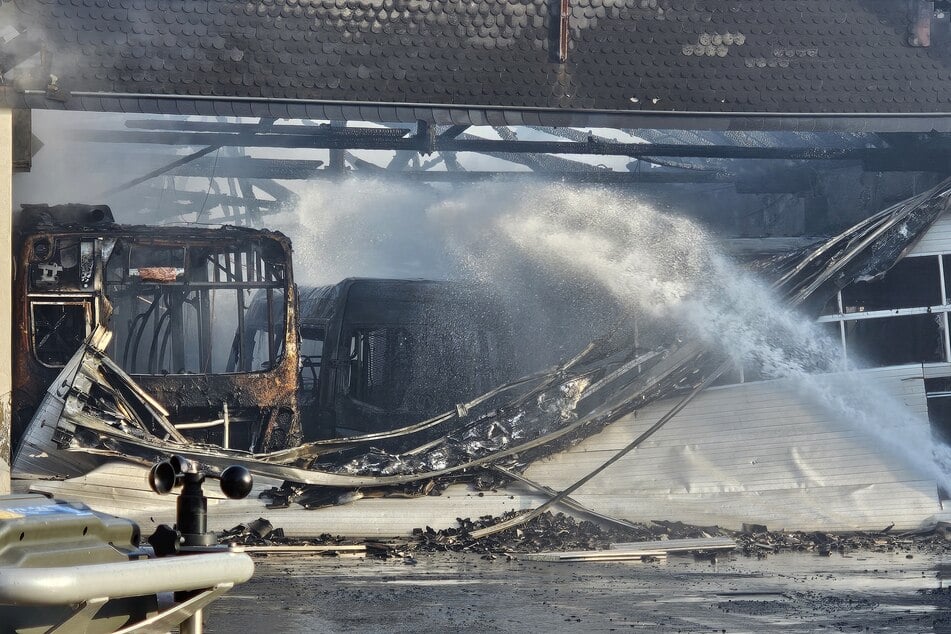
{"x":17,"y":50}
{"x":453,"y":131}
{"x":564,"y":13}
{"x":162,"y":170}
{"x":306,"y":169}
{"x":322,"y":129}
{"x":935,"y":156}
{"x":538,"y":162}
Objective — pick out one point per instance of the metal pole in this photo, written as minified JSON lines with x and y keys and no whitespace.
{"x":6,"y":283}
{"x":227,"y":438}
{"x":192,"y":625}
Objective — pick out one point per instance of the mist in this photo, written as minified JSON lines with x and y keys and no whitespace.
{"x":569,"y":262}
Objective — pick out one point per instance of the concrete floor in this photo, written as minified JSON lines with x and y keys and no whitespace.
{"x":463,"y":593}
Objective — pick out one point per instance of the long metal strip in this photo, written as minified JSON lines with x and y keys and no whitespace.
{"x":525,"y":517}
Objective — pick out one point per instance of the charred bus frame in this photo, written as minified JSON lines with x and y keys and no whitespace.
{"x":175,"y":297}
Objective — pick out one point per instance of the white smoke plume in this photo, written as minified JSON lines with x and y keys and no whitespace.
{"x":586,"y":255}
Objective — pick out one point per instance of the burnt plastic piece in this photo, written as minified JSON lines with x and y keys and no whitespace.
{"x":191,"y":518}
{"x":68,"y":214}
{"x":261,"y":528}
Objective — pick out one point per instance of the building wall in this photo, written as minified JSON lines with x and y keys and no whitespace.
{"x":937,"y":239}
{"x":6,"y":292}
{"x":780,"y":453}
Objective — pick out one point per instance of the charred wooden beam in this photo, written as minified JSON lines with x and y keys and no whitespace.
{"x":911,"y":160}
{"x":18,"y":50}
{"x":564,"y":14}
{"x":190,"y":200}
{"x":268,"y":126}
{"x":425,"y":142}
{"x":453,"y":131}
{"x":281,"y":194}
{"x":302,"y":169}
{"x":400,"y":160}
{"x":537,"y":162}
{"x":921,"y":14}
{"x":162,"y":170}
{"x":25,"y":144}
{"x":337,"y":161}
{"x":452,"y":163}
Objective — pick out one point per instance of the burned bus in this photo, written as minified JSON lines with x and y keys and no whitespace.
{"x":378,"y":354}
{"x":174,"y":297}
{"x":210,"y":324}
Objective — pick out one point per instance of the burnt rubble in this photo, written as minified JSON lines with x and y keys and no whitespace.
{"x":261,"y":532}
{"x":105,"y":414}
{"x":560,"y":532}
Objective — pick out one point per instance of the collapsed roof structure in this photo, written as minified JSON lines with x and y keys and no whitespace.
{"x":764,"y":95}
{"x":95,"y":409}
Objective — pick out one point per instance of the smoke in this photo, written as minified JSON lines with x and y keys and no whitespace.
{"x":367,"y":228}
{"x":568,"y":261}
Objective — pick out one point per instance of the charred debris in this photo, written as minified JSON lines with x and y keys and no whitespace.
{"x":558,"y":532}
{"x":196,"y":342}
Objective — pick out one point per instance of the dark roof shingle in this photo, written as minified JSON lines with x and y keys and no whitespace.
{"x":746,"y":56}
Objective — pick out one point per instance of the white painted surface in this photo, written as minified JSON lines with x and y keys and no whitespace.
{"x":6,"y":291}
{"x":937,"y":239}
{"x":749,"y":453}
{"x":756,"y":452}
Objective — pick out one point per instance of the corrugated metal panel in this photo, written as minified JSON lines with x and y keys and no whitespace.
{"x":756,"y":452}
{"x":907,"y":504}
{"x":365,"y":518}
{"x":937,"y":239}
{"x":936,"y":370}
{"x":831,"y":508}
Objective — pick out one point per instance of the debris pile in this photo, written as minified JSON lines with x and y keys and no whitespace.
{"x":559,"y":532}
{"x":548,"y":531}
{"x":261,"y":532}
{"x":105,"y":412}
{"x":762,"y":543}
{"x":318,"y":497}
{"x":564,"y":533}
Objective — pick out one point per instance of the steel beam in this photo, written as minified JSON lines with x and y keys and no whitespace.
{"x":301,"y":169}
{"x":592,"y":146}
{"x":323,"y":129}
